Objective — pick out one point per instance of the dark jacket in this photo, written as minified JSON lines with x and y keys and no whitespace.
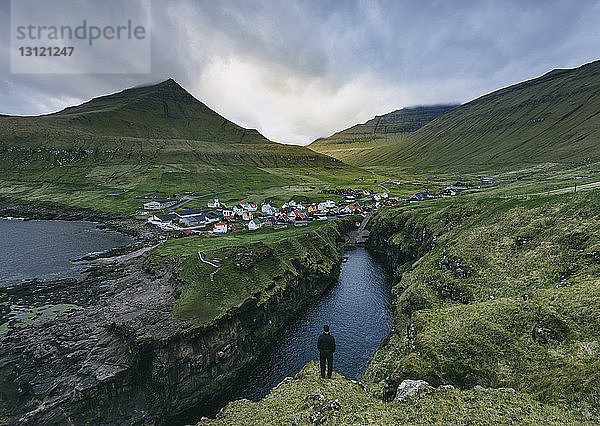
{"x":326,"y":343}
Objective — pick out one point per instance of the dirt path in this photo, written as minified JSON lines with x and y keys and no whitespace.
{"x":214,"y":264}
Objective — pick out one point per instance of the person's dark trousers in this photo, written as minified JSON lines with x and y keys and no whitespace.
{"x":326,"y":357}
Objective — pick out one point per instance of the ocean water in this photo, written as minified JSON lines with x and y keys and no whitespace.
{"x":44,"y":249}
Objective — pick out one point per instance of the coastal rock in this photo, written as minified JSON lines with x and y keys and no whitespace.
{"x":410,"y":388}
{"x":123,"y":356}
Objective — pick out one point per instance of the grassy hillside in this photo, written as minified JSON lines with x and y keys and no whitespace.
{"x":157,"y":138}
{"x":252,"y":264}
{"x":294,"y":402}
{"x":161,"y":111}
{"x":352,"y":143}
{"x":498,"y":293}
{"x":553,"y":118}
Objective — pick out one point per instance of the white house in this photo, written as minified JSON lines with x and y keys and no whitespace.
{"x":214,"y":204}
{"x":228,"y":214}
{"x":238,"y":210}
{"x":266,"y":208}
{"x":254,"y":224}
{"x":326,"y":205}
{"x":220,"y":228}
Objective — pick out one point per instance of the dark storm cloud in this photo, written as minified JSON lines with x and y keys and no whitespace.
{"x":297,"y":70}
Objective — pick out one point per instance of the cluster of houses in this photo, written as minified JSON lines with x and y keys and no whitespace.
{"x":449,"y":191}
{"x":221,"y":218}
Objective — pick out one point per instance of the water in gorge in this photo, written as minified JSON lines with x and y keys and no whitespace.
{"x":359,"y":312}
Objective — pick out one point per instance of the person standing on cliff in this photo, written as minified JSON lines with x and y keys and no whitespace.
{"x":326,"y":347}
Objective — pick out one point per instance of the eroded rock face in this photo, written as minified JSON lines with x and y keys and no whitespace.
{"x":123,"y":359}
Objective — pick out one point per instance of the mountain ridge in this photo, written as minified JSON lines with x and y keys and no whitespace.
{"x":550,"y":118}
{"x":355,"y":140}
{"x":150,"y":138}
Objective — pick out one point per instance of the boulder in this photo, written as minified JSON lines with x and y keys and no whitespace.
{"x":410,"y":388}
{"x":444,"y":387}
{"x":315,"y":395}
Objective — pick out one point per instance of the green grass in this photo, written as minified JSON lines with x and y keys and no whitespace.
{"x":253,"y":265}
{"x":287,"y":403}
{"x":153,"y":139}
{"x":176,"y":248}
{"x":487,"y":273}
{"x":351,"y":144}
{"x":23,"y":316}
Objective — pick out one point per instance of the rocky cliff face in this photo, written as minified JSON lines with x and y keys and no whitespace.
{"x":122,"y":357}
{"x":403,"y":241}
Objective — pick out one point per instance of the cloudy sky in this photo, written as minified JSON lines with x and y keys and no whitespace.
{"x":298,"y":70}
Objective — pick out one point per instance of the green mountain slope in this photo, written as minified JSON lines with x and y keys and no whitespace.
{"x":352,"y":143}
{"x":553,"y":118}
{"x":155,"y":138}
{"x":497,"y":293}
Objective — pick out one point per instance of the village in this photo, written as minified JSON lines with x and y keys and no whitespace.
{"x":219,"y":218}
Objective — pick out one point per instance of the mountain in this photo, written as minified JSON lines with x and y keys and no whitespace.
{"x":552,"y":118}
{"x":352,"y":143}
{"x":161,"y":111}
{"x":156,"y":138}
{"x":165,"y":110}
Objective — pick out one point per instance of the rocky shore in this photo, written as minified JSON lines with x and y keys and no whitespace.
{"x":119,"y":356}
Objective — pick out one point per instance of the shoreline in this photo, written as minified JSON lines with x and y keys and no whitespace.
{"x":139,"y":353}
{"x":36,"y":211}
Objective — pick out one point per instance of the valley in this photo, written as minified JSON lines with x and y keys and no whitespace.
{"x":486,"y":213}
